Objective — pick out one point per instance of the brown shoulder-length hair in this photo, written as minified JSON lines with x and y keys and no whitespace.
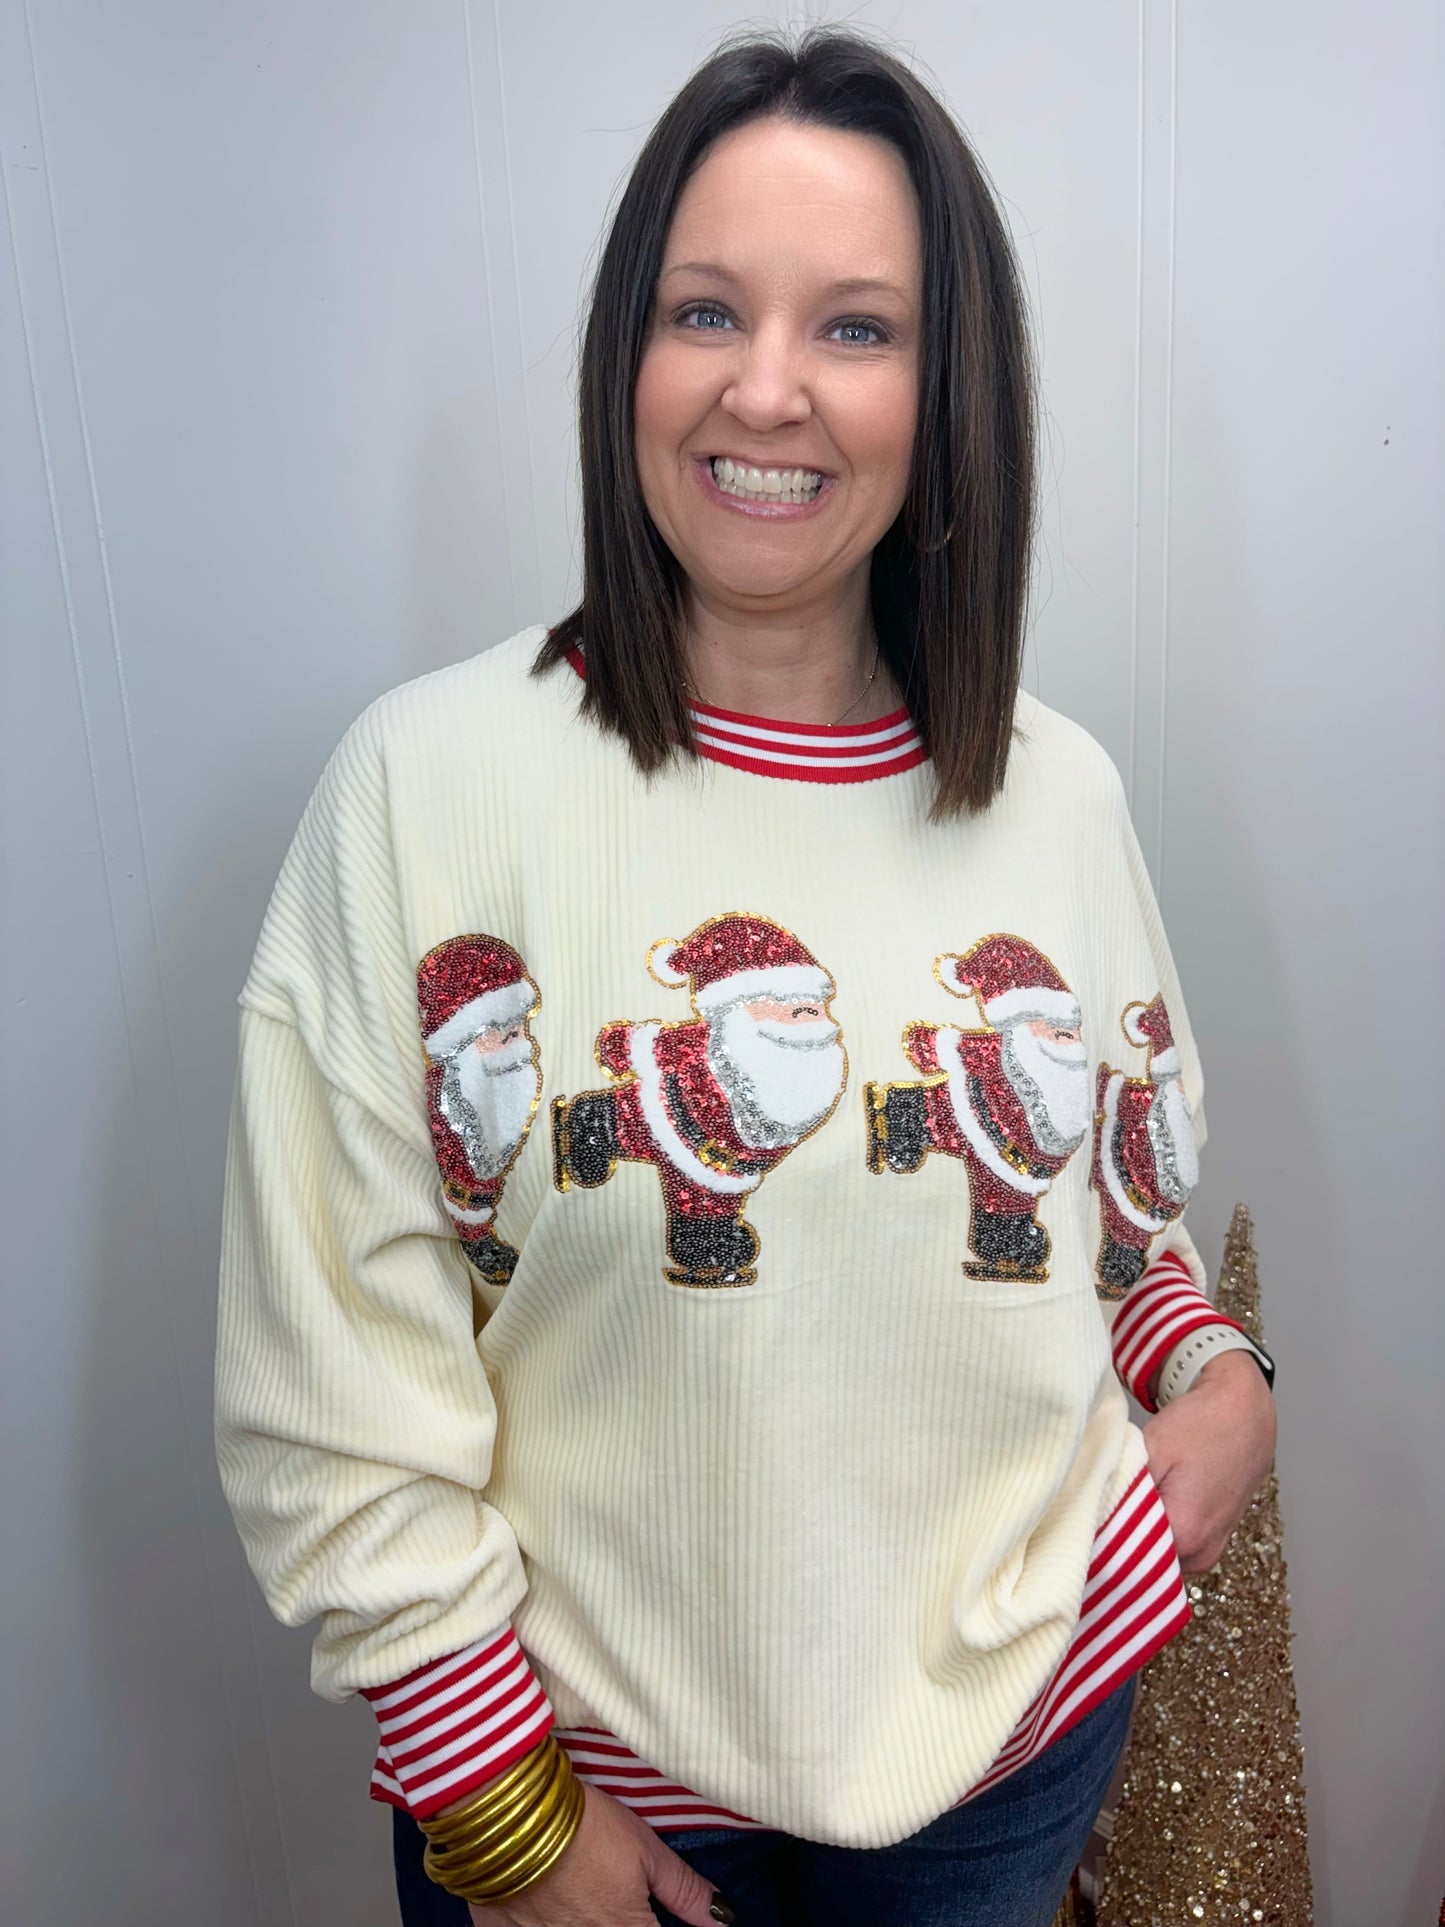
{"x":949,"y":579}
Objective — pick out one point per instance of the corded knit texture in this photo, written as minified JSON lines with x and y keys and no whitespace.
{"x":783,"y":1353}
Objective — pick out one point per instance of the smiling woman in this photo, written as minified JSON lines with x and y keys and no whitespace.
{"x":777,"y":1525}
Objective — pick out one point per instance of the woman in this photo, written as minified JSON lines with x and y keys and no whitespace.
{"x":686,"y":1405}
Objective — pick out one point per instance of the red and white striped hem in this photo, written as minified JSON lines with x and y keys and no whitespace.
{"x":604,"y":1762}
{"x":1161,"y":1311}
{"x":455,"y":1723}
{"x":1134,"y":1602}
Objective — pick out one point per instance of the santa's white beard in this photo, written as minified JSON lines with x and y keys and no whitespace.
{"x":488,"y":1101}
{"x":1051,"y":1081}
{"x":1171,"y":1139}
{"x":780,"y":1079}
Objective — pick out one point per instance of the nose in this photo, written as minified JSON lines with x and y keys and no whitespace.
{"x":768,"y":386}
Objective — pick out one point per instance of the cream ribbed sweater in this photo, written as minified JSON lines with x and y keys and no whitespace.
{"x":799,"y":1399}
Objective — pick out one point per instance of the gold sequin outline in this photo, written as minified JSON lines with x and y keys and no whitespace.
{"x":563,"y":1182}
{"x":1113,"y":1294}
{"x":500,"y":1180}
{"x":875,"y":1095}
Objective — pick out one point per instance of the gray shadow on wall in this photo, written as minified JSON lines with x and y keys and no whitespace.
{"x":1290,"y":1129}
{"x":242,"y":1799}
{"x":463,"y":583}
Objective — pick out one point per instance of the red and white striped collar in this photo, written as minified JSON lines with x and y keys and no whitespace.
{"x":801,"y":752}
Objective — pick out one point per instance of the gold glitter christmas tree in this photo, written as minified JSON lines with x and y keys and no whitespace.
{"x":1211,"y":1820}
{"x":1073,"y":1909}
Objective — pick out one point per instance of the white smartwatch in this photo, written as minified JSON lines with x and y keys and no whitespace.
{"x":1190,"y":1356}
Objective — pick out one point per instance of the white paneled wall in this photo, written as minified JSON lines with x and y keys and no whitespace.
{"x":287,"y":319}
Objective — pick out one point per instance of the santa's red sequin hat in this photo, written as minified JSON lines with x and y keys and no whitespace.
{"x":1013,"y":983}
{"x":736,"y":957}
{"x":468,"y":985}
{"x":1148,"y":1024}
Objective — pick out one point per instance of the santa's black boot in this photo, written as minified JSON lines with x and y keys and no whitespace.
{"x":1120,"y":1266}
{"x":1008,"y":1244}
{"x":897,"y":1126}
{"x":584,"y":1139}
{"x":493,"y":1259}
{"x":709,"y":1252}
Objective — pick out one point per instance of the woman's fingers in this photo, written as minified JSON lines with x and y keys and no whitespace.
{"x":682,"y":1890}
{"x":1209,"y":1453}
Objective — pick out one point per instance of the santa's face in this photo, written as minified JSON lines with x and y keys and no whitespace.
{"x":1047,"y":1067}
{"x":490,"y":1088}
{"x":781,"y":1063}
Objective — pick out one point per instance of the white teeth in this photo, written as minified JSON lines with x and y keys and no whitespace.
{"x":795,"y":485}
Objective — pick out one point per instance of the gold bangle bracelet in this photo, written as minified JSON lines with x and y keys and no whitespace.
{"x":525,"y":1773}
{"x":515,"y":1880}
{"x":517,"y":1782}
{"x":503,"y":1858}
{"x":523,"y":1860}
{"x":535,"y":1760}
{"x":507,"y":1862}
{"x":530,"y":1867}
{"x":488,"y":1828}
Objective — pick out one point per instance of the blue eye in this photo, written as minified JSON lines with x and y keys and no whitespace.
{"x":703,"y":318}
{"x":859,"y":334}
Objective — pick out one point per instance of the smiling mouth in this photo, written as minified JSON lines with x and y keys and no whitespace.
{"x":765,"y":484}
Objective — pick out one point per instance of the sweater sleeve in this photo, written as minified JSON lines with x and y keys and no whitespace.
{"x":1168,"y":1309}
{"x":354,"y":1421}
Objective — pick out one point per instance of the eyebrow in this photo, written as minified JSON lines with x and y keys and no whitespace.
{"x":855,"y":284}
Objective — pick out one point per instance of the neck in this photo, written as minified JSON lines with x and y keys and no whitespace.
{"x":807,"y":664}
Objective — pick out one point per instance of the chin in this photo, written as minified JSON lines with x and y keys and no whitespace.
{"x":755,"y":576}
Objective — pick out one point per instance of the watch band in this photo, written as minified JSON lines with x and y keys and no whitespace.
{"x":1192,"y":1354}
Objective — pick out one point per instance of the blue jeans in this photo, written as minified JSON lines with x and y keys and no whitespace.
{"x":1004,"y":1860}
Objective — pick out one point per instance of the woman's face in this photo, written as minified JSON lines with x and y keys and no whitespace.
{"x":784,"y":342}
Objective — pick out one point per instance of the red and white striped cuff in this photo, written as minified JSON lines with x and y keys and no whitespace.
{"x":456,"y":1723}
{"x":1162,"y":1310}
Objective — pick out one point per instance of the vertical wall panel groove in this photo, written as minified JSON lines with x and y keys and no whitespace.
{"x":494,"y":193}
{"x":1153,"y":375}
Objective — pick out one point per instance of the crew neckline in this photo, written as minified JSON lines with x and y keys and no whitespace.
{"x":800,"y":752}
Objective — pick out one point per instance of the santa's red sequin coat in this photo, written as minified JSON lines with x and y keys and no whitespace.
{"x":696,"y":1105}
{"x":980,"y":1054}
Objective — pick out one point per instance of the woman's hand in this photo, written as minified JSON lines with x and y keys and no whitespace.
{"x":1210,"y":1452}
{"x":610,"y":1866}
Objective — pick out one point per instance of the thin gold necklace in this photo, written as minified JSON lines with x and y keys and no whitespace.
{"x":877,"y":652}
{"x":690,"y":690}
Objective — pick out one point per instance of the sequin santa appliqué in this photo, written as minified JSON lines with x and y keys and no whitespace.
{"x":716,"y":1101}
{"x":483,"y":1082}
{"x":1009,"y":1099}
{"x":1146,"y":1160}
